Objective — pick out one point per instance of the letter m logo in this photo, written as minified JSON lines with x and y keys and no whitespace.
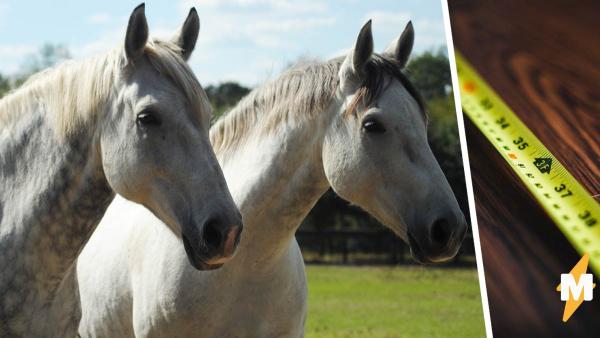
{"x":571,"y":290}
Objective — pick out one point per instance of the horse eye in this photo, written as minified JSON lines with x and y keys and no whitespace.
{"x":373,"y":126}
{"x":148,"y":118}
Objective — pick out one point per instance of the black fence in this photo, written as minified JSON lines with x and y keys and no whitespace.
{"x":365,"y":246}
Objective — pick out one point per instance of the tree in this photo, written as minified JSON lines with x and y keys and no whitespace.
{"x":47,"y":56}
{"x":225,"y":96}
{"x":4,"y":85}
{"x":430,"y":72}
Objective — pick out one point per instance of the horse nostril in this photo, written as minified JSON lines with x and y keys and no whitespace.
{"x":232,"y":238}
{"x":238,"y":236}
{"x":440,"y":232}
{"x":212,"y":236}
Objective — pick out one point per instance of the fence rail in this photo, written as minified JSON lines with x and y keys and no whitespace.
{"x":373,"y":246}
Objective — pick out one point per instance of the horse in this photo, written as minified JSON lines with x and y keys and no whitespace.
{"x":132,"y":121}
{"x":354,"y":123}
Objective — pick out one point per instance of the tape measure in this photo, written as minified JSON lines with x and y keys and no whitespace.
{"x":568,"y":204}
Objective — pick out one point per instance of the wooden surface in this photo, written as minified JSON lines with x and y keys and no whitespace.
{"x":543,"y":58}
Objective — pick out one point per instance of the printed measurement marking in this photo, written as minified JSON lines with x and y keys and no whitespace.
{"x":569,"y":205}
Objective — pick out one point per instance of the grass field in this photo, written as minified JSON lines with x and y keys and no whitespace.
{"x":393,"y":302}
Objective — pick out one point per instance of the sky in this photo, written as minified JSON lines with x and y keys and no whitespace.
{"x":248,"y":41}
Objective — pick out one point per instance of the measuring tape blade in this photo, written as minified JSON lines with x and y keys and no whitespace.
{"x":568,"y":204}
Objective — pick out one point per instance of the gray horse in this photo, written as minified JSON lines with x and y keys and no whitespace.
{"x":132,"y":121}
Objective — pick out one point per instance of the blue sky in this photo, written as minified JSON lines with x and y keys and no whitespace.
{"x":247,"y":41}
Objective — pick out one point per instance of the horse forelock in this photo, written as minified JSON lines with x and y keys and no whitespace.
{"x":165,"y":57}
{"x":379,"y":70}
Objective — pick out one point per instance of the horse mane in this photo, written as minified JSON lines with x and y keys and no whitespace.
{"x":76,"y":92}
{"x":302,"y":92}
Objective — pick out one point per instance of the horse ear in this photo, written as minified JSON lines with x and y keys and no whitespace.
{"x":356,"y":61}
{"x":188,"y":34}
{"x":400,"y":48}
{"x":137,"y":33}
{"x":363,"y":49}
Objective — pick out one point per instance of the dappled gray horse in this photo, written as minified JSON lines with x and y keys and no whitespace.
{"x":355,"y":124}
{"x":133,"y":121}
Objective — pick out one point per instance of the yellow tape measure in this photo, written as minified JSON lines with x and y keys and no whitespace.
{"x":569,"y":205}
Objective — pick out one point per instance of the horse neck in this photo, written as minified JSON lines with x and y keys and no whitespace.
{"x":52,"y":195}
{"x":275,"y":180}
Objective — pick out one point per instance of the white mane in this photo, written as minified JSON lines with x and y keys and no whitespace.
{"x":74,"y":92}
{"x":299,"y":93}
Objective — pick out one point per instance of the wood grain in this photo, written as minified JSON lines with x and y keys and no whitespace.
{"x":542,"y":58}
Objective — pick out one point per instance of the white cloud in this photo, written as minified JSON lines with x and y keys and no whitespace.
{"x":12,"y":56}
{"x":387,"y":20}
{"x":270,"y":33}
{"x":16,"y":51}
{"x":218,"y":28}
{"x":301,"y":6}
{"x":428,"y":33}
{"x":99,"y":18}
{"x":289,"y":6}
{"x":228,"y":26}
{"x":288,"y":25}
{"x":268,"y":25}
{"x":105,"y":42}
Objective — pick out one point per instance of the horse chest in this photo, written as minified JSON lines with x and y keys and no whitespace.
{"x":233,"y":302}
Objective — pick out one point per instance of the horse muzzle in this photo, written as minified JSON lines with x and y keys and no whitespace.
{"x":437,"y":242}
{"x":215,"y":246}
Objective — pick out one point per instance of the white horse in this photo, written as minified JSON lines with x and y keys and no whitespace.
{"x":133,"y":121}
{"x":355,"y":124}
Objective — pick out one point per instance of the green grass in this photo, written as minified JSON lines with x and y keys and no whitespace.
{"x":393,"y":302}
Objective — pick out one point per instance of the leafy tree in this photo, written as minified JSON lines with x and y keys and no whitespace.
{"x":224,"y":96}
{"x":430,"y":72}
{"x":4,"y":85}
{"x":47,"y":56}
